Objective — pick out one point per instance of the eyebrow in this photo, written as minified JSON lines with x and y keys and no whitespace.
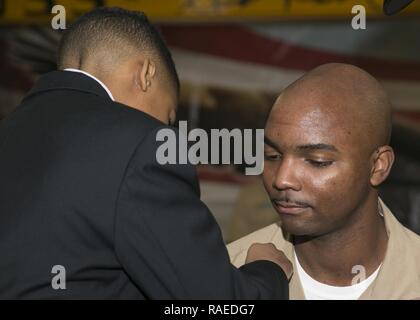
{"x":317,"y":146}
{"x":270,"y":143}
{"x":306,"y":147}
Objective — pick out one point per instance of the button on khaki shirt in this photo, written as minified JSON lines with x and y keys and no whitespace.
{"x":398,"y":277}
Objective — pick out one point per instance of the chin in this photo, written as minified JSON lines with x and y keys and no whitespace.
{"x":299,"y":228}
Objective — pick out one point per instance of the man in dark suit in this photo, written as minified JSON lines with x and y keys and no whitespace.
{"x":85,"y":209}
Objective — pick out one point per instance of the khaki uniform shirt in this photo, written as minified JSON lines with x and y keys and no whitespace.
{"x":398,"y":277}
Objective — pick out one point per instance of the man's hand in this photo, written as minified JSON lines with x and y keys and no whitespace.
{"x":267,"y":251}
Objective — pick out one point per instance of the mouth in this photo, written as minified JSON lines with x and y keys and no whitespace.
{"x":289,"y":208}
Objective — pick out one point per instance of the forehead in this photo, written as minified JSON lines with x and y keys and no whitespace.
{"x":300,"y":123}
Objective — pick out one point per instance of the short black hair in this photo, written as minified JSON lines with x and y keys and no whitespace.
{"x":111,"y":26}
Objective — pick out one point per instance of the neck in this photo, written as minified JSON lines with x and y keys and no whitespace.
{"x":332,"y":258}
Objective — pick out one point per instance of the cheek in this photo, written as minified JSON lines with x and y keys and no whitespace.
{"x":167,"y":110}
{"x":325,"y":180}
{"x":268,"y":175}
{"x":336,"y":189}
{"x":161,"y":113}
{"x":172,"y":116}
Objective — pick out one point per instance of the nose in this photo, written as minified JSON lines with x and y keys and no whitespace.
{"x":285,"y":177}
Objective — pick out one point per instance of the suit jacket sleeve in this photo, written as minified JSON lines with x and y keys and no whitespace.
{"x":170,"y":244}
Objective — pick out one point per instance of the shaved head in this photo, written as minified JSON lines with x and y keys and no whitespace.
{"x":326,"y":150}
{"x":347,"y":96}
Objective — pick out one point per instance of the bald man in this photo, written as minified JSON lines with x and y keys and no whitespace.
{"x":326,"y":152}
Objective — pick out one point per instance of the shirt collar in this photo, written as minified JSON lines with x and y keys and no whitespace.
{"x":397,"y":266}
{"x":94,"y":78}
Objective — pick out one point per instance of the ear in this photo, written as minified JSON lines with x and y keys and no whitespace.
{"x":383,"y":159}
{"x":145,"y":74}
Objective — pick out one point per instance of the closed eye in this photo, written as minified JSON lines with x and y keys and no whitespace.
{"x":320,"y":164}
{"x":272,"y":157}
